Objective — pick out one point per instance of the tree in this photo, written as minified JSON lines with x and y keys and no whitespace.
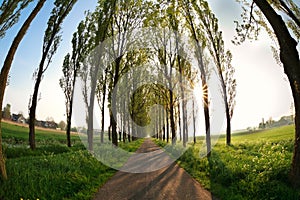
{"x":62,"y":125}
{"x":7,"y":65}
{"x":67,"y":83}
{"x":288,"y":55}
{"x":98,"y":22}
{"x":127,"y":17}
{"x":74,"y":129}
{"x":291,"y":63}
{"x":230,"y":83}
{"x":10,"y":12}
{"x":51,"y":42}
{"x":135,"y":100}
{"x":173,"y":66}
{"x":166,"y":53}
{"x":173,"y":18}
{"x":71,"y":69}
{"x":101,"y":94}
{"x":214,"y":42}
{"x":165,"y":66}
{"x":183,"y":66}
{"x":197,"y":36}
{"x":6,"y":112}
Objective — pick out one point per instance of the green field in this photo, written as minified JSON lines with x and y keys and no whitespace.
{"x":256,"y":166}
{"x":52,"y":171}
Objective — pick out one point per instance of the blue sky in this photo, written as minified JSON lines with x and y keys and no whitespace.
{"x":262,"y":89}
{"x":28,"y":57}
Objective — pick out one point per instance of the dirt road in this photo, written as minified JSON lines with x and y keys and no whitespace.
{"x":170,"y":182}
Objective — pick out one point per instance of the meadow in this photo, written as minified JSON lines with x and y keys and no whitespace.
{"x":52,"y":171}
{"x":255,"y":166}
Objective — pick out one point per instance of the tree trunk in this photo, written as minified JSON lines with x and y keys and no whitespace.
{"x":6,"y":68}
{"x":290,"y":58}
{"x":164,"y":126}
{"x":160,"y":125}
{"x":114,"y":102}
{"x":225,"y":99}
{"x":32,"y":119}
{"x":102,"y":119}
{"x":156,"y":125}
{"x":109,"y":131}
{"x":194,"y":122}
{"x":124,"y":136}
{"x":69,"y":115}
{"x":90,"y":130}
{"x":184,"y":122}
{"x":132,"y":132}
{"x":199,"y":55}
{"x":124,"y":122}
{"x":172,"y":121}
{"x":228,"y":121}
{"x":127,"y":112}
{"x":34,"y":100}
{"x":128,"y":131}
{"x":184,"y":114}
{"x":179,"y":122}
{"x":168,"y":127}
{"x":113,"y":123}
{"x":68,"y":131}
{"x":102,"y":108}
{"x":206,"y":117}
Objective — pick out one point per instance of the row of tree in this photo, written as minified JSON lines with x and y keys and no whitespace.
{"x":101,"y":64}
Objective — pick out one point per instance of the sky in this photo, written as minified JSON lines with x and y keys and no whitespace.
{"x":262,"y":87}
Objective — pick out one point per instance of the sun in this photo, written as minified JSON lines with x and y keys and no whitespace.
{"x":200,"y":92}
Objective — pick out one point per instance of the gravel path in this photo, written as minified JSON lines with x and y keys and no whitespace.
{"x":170,"y":182}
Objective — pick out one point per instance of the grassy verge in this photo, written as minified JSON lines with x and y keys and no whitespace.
{"x":256,"y":166}
{"x":73,"y":175}
{"x":52,"y":171}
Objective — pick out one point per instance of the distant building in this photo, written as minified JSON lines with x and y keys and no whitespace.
{"x":51,"y":125}
{"x":18,"y":118}
{"x":46,"y":124}
{"x":283,"y":121}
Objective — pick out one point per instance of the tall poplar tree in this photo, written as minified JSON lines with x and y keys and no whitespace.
{"x":71,"y":69}
{"x":9,"y":59}
{"x":51,"y":43}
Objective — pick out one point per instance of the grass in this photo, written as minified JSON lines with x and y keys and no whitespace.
{"x":18,"y":135}
{"x":73,"y":175}
{"x":52,"y":171}
{"x":274,"y":134}
{"x":256,"y":166}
